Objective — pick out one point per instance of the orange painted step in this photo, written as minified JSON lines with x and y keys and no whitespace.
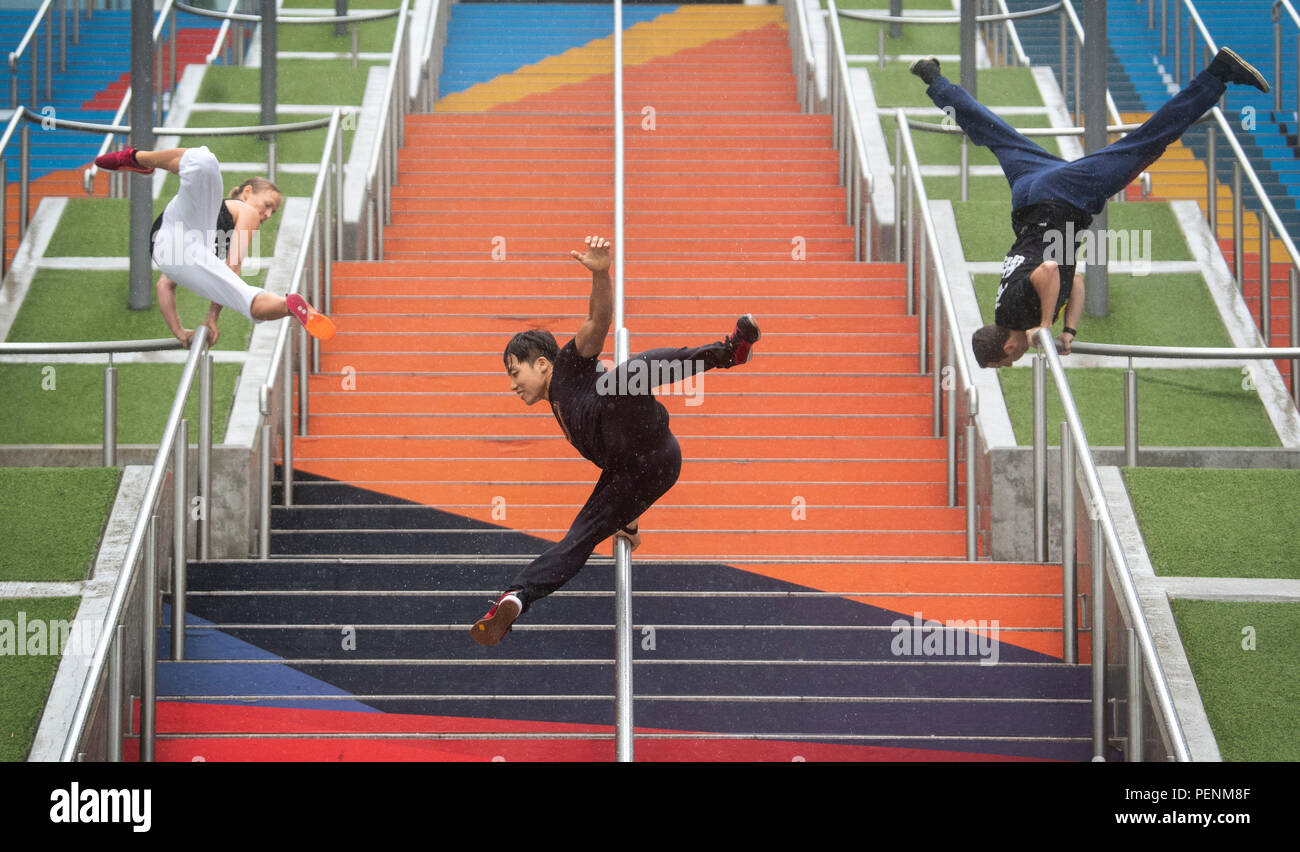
{"x":564,"y":267}
{"x":774,"y":342}
{"x":526,"y":308}
{"x":705,"y":326}
{"x":684,"y":424}
{"x":539,"y":439}
{"x":753,"y":377}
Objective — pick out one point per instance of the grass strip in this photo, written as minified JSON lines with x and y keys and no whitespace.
{"x":1218,"y":523}
{"x":53,"y":519}
{"x":1246,"y":660}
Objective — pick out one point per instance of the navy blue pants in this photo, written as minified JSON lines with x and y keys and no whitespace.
{"x":1037,"y":176}
{"x":645,"y":464}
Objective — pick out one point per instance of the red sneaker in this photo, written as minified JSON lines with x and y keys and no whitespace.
{"x":742,"y":340}
{"x":489,"y":629}
{"x":317,"y":324}
{"x":123,"y":160}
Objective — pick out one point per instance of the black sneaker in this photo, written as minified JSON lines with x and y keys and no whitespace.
{"x":927,"y":68}
{"x":490,"y":629}
{"x":1231,"y":68}
{"x":742,"y":339}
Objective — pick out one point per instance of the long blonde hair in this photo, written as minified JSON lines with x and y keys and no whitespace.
{"x":257,"y":184}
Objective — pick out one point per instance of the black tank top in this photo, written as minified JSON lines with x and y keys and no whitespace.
{"x":225,"y":230}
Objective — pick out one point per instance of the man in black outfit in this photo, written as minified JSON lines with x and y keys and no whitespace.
{"x":613,"y":419}
{"x":1052,"y":199}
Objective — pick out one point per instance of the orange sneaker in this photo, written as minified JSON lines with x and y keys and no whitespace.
{"x":317,"y":324}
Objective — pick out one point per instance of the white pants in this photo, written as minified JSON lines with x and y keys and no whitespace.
{"x":183,"y":248}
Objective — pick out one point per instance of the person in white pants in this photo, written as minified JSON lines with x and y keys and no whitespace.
{"x":198,"y":228}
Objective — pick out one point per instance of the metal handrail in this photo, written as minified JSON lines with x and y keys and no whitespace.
{"x":803,"y":57}
{"x":945,"y":332}
{"x":381,"y":172}
{"x":223,"y":35}
{"x":88,"y":127}
{"x":1278,"y":7}
{"x":136,"y":547}
{"x":1149,"y":662}
{"x":855,"y":173}
{"x":1200,"y":353}
{"x":16,"y":55}
{"x":937,"y":19}
{"x":1242,"y":166}
{"x":319,"y":239}
{"x":282,"y":18}
{"x":91,"y":348}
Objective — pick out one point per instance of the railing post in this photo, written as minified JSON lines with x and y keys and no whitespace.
{"x":1040,"y":457}
{"x":900,"y":117}
{"x":909,"y":240}
{"x":972,"y":536}
{"x":24,"y":177}
{"x":1265,"y":283}
{"x":1277,"y":57}
{"x":110,"y":414}
{"x":965,"y":168}
{"x":1211,"y":180}
{"x":1293,"y":281}
{"x":149,"y":644}
{"x":264,"y":475}
{"x":1133,"y":748}
{"x":1130,"y":416}
{"x":1069,"y":592}
{"x":1238,"y":226}
{"x":1097,"y":652}
{"x":116,"y":690}
{"x":286,"y":425}
{"x":304,"y":374}
{"x":180,"y":547}
{"x":205,"y":456}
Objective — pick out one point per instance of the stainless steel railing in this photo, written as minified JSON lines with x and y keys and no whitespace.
{"x":136,"y":585}
{"x":942,"y":352}
{"x":1173,"y":352}
{"x":1280,"y":6}
{"x":44,"y":17}
{"x":316,"y":254}
{"x":803,"y":57}
{"x":381,"y":173}
{"x":23,"y":118}
{"x":1145,"y":685}
{"x":1270,"y":223}
{"x":846,"y":136}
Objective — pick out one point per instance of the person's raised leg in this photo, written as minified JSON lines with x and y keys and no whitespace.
{"x":1018,"y":156}
{"x":1089,"y":181}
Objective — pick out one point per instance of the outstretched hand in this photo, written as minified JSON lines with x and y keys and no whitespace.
{"x":596,"y":257}
{"x":634,"y":539}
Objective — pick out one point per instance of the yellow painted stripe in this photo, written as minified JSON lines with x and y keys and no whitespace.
{"x":644,"y":42}
{"x":1179,"y":175}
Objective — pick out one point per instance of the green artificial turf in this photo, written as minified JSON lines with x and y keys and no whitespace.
{"x":52,"y":518}
{"x":1218,"y":523}
{"x":895,"y":86}
{"x":372,"y":36}
{"x":101,"y":227}
{"x":64,"y":403}
{"x":304,"y":146}
{"x":300,"y":81}
{"x":1246,"y":660}
{"x":67,"y":305}
{"x":27,"y":677}
{"x":986,"y":189}
{"x":1176,"y":408}
{"x":1173,"y":309}
{"x":986,"y":235}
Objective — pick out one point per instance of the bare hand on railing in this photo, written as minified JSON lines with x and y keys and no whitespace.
{"x":1064,"y":341}
{"x":213,"y":333}
{"x":185,"y":336}
{"x":634,"y":539}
